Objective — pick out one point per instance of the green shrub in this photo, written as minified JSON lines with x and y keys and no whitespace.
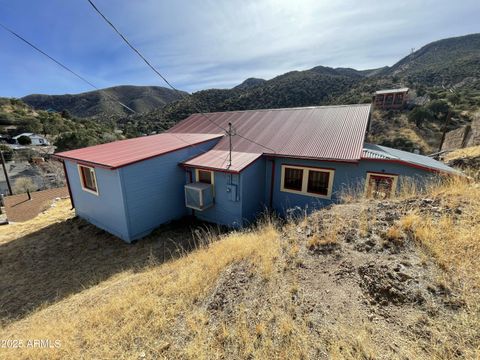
{"x":24,"y":140}
{"x":7,"y":152}
{"x":419,"y":114}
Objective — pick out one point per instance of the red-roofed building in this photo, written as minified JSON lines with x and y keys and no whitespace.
{"x":391,"y":99}
{"x":281,"y":159}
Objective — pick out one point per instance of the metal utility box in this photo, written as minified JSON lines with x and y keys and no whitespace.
{"x":232,"y":192}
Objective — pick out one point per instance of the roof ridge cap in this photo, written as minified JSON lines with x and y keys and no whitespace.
{"x":284,"y":109}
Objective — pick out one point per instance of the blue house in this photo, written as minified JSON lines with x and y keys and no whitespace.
{"x":278,"y":159}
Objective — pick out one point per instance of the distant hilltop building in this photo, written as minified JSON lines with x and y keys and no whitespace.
{"x":391,"y":98}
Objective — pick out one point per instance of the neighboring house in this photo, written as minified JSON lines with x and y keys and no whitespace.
{"x":281,"y":159}
{"x":36,"y":139}
{"x":391,"y":99}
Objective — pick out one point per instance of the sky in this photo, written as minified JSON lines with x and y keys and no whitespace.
{"x":201,"y":44}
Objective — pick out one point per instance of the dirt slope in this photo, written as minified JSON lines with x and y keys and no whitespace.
{"x":364,"y":280}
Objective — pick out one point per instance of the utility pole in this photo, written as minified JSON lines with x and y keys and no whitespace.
{"x":6,"y":173}
{"x":230,"y":133}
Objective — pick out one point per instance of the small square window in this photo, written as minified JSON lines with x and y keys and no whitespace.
{"x":293,"y":179}
{"x":204,"y":176}
{"x":88,"y":179}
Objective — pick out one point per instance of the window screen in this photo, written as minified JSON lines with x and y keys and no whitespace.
{"x":293,"y":179}
{"x":318,"y":182}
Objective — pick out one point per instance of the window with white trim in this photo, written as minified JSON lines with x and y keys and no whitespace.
{"x":88,"y":179}
{"x":309,"y":181}
{"x":204,"y":176}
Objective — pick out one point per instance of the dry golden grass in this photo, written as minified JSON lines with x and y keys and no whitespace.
{"x":472,"y":151}
{"x":394,"y":233}
{"x":453,"y":241}
{"x":162,"y":311}
{"x":133,"y":313}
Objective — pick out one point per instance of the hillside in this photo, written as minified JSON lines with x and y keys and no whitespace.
{"x":330,"y":285}
{"x":451,"y":62}
{"x":61,"y":129}
{"x":94,"y":103}
{"x":432,"y":73}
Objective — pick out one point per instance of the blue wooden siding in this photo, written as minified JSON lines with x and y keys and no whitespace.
{"x":227,"y":210}
{"x":346,"y":175}
{"x":106,"y":210}
{"x":253,"y":190}
{"x":239,"y":198}
{"x":153,"y":190}
{"x":135,"y":199}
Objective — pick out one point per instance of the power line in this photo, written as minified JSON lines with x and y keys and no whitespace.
{"x":63,"y":66}
{"x":163,"y":77}
{"x":130,"y":45}
{"x":143,"y":57}
{"x":85,"y":80}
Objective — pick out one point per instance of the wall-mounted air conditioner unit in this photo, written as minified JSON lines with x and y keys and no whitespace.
{"x":198,"y":196}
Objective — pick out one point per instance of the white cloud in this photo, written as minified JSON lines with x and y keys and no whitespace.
{"x":219,"y":43}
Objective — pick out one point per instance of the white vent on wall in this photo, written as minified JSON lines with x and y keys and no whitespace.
{"x":198,"y":196}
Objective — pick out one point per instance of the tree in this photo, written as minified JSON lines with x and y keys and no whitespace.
{"x":76,"y":140}
{"x":421,"y":91}
{"x":438,"y":107}
{"x":66,"y":114}
{"x":453,"y":98}
{"x":419,"y":114}
{"x":24,"y":140}
{"x":29,"y":124}
{"x":6,"y":119}
{"x":23,"y":184}
{"x":7,"y":152}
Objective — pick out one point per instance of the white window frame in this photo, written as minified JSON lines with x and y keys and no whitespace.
{"x":197,"y":175}
{"x":212,"y":176}
{"x":394,"y":182}
{"x":304,"y":191}
{"x":79,"y":166}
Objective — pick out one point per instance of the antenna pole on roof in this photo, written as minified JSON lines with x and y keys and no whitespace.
{"x":230,"y":133}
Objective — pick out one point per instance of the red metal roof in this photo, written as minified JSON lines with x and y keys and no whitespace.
{"x":323,"y":132}
{"x":120,"y":153}
{"x":219,"y":159}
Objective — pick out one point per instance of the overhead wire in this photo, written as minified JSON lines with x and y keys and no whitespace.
{"x":63,"y":66}
{"x":123,"y":37}
{"x":85,"y":80}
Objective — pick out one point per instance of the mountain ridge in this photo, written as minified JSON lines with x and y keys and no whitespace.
{"x":93,"y":103}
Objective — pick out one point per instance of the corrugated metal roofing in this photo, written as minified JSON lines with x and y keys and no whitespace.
{"x":372,"y":151}
{"x":219,"y":159}
{"x":369,"y":153}
{"x":322,"y":132}
{"x":120,"y":153}
{"x":391,"y":91}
